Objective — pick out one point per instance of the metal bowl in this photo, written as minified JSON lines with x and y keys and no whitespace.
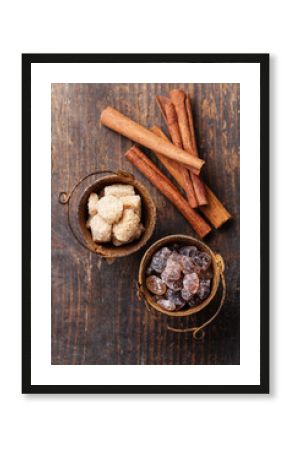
{"x":217,"y":268}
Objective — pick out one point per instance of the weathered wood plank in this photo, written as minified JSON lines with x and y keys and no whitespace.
{"x":95,"y":320}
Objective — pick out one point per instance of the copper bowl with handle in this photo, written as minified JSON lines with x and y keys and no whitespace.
{"x":218,"y":275}
{"x":77,"y":213}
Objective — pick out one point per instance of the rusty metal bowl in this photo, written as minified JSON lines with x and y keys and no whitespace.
{"x":217,"y":268}
{"x":83,"y":234}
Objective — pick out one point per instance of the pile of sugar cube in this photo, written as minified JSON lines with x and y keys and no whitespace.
{"x":116,"y":216}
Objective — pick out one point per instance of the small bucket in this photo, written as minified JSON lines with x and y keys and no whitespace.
{"x":77,"y":216}
{"x":218,"y":275}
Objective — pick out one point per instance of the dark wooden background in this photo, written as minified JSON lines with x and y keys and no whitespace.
{"x":96,"y":317}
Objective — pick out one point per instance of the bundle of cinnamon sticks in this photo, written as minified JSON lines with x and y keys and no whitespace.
{"x":180,"y":158}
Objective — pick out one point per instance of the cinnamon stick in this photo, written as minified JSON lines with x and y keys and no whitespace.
{"x":177,"y":97}
{"x":170,"y":116}
{"x":113,"y":119}
{"x":182,"y":106}
{"x":191,"y":125}
{"x":172,"y":167}
{"x":164,"y":185}
{"x":199,"y":186}
{"x":214,"y":211}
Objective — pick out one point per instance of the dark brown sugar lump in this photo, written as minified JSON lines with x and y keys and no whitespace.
{"x":179,"y":276}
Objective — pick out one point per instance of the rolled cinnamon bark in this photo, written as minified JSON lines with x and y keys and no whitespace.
{"x":113,"y":119}
{"x":214,"y":211}
{"x":170,"y":117}
{"x":177,"y":97}
{"x":169,"y":114}
{"x":199,"y":186}
{"x":172,"y":166}
{"x":191,"y":125}
{"x":164,"y":185}
{"x":182,"y":106}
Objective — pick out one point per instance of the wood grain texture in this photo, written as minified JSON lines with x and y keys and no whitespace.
{"x":96,"y":317}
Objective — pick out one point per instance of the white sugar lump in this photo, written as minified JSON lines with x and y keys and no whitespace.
{"x":137,"y":234}
{"x":126,"y":229}
{"x":100,"y":229}
{"x":119,"y":190}
{"x":92,"y":204}
{"x":110,"y":208}
{"x":132,"y":201}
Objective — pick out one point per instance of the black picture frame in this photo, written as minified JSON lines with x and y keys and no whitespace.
{"x":27,"y":61}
